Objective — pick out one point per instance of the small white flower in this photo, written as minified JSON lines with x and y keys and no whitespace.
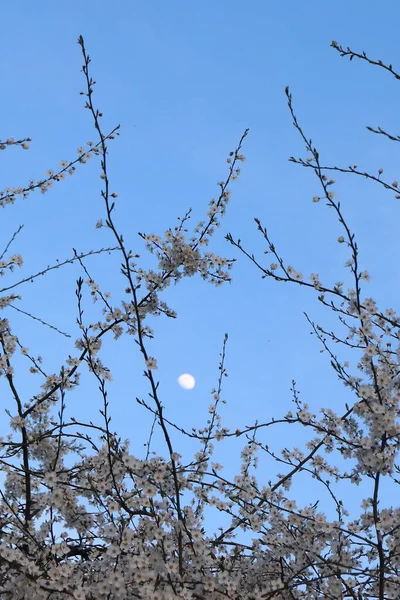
{"x":365,"y":275}
{"x":151,"y":363}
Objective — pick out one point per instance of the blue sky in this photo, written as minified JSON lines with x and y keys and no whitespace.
{"x":184,"y":80}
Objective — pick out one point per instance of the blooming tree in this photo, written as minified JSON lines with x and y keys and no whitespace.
{"x":81,"y":517}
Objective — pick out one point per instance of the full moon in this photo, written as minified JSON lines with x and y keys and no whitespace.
{"x":186,"y":381}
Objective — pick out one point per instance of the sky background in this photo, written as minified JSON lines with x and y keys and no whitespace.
{"x":184,"y":79}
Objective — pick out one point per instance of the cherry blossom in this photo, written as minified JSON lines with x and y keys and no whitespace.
{"x":82,"y":517}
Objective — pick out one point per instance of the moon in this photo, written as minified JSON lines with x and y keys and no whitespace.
{"x":186,"y":381}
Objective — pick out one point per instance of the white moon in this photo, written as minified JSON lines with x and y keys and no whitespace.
{"x":186,"y":381}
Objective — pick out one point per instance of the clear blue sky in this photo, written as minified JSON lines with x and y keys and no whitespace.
{"x":184,"y":79}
